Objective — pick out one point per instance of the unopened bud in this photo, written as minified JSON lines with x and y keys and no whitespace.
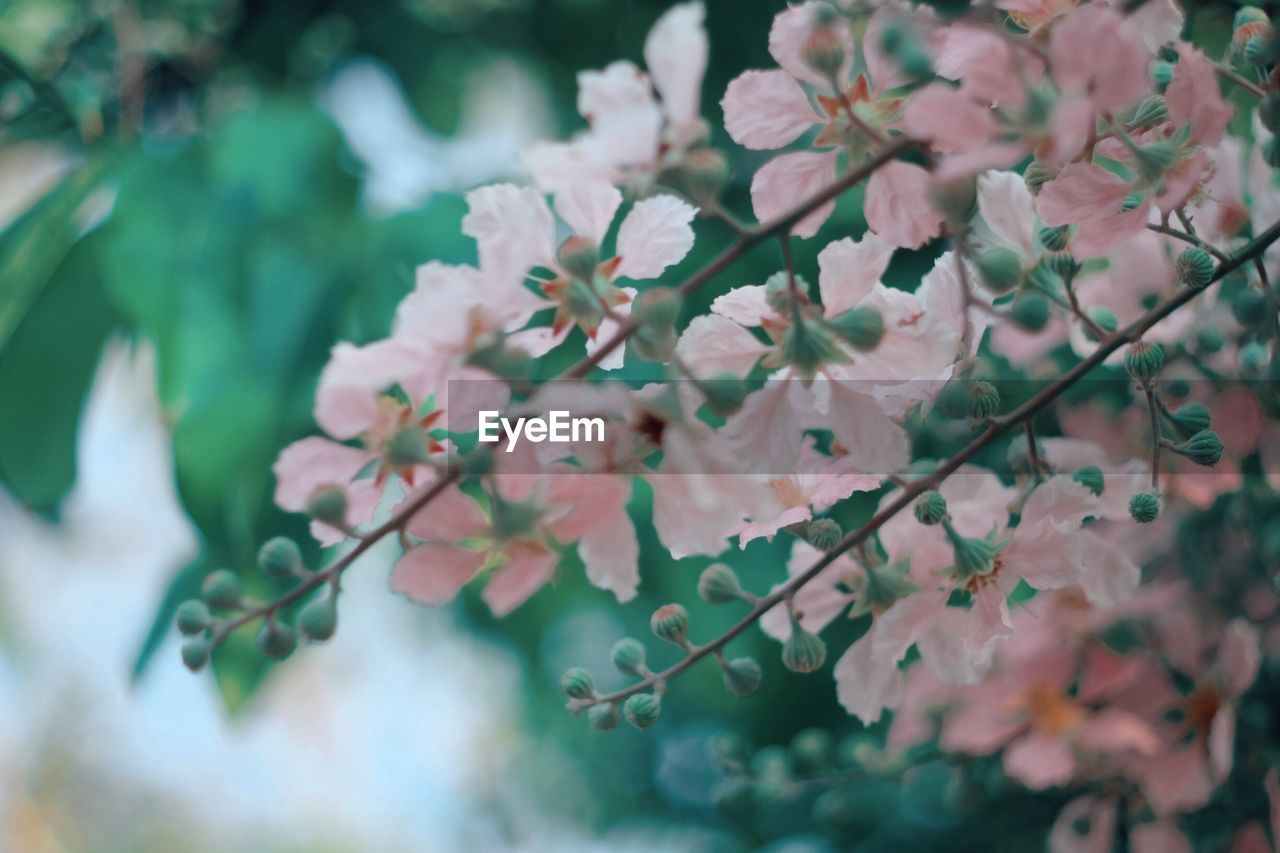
{"x":862,"y":327}
{"x":1144,"y":507}
{"x":808,"y":345}
{"x":803,"y":652}
{"x":628,"y":656}
{"x":1104,"y":318}
{"x":670,"y":622}
{"x":1000,"y":269}
{"x":1253,"y":357}
{"x":604,"y":717}
{"x":984,"y":400}
{"x":1143,"y":360}
{"x":280,"y":558}
{"x":1031,"y":311}
{"x":657,"y":345}
{"x":1091,"y":478}
{"x":1063,"y":264}
{"x":579,"y":257}
{"x":881,"y":585}
{"x":193,"y":617}
{"x":724,"y":393}
{"x":1152,"y":111}
{"x":823,"y":49}
{"x":812,"y":750}
{"x":1194,"y":267}
{"x":1249,"y":307}
{"x":329,"y":505}
{"x":409,"y":446}
{"x":276,"y":640}
{"x":824,"y":533}
{"x":719,"y":585}
{"x":930,"y":508}
{"x":903,"y":45}
{"x":742,"y":676}
{"x":702,"y":175}
{"x":657,"y":307}
{"x":972,"y":556}
{"x":955,"y":399}
{"x":576,"y":683}
{"x":318,"y":620}
{"x":1037,"y":175}
{"x":1189,"y":419}
{"x":1203,"y":448}
{"x":642,"y":710}
{"x":1055,"y":237}
{"x":1249,"y":22}
{"x":221,"y":590}
{"x":1161,"y":75}
{"x":196,"y":652}
{"x":1262,"y":49}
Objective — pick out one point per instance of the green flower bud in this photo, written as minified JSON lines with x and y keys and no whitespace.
{"x":1203,"y":448}
{"x":1131,"y":202}
{"x":824,"y":533}
{"x":1153,"y":160}
{"x":576,"y":683}
{"x":1031,"y":311}
{"x":604,"y":717}
{"x":862,"y":327}
{"x":193,"y":617}
{"x":1194,"y":267}
{"x":407,"y":447}
{"x":823,"y":51}
{"x":628,"y":656}
{"x":1091,"y":478}
{"x":742,"y":676}
{"x":670,"y":622}
{"x":1189,"y":419}
{"x":1144,"y":360}
{"x":807,"y":345}
{"x":581,"y":301}
{"x":1271,"y":152}
{"x":652,"y":344}
{"x":1209,"y":341}
{"x":881,"y":586}
{"x":973,"y":556}
{"x":955,"y":399}
{"x":930,"y":508}
{"x":579,"y":257}
{"x":318,"y":620}
{"x":1152,"y":111}
{"x":902,"y":44}
{"x":1037,"y":175}
{"x":984,"y":400}
{"x":999,"y":269}
{"x":1250,"y":307}
{"x":1247,"y":15}
{"x":221,"y":590}
{"x":280,"y":558}
{"x":1260,"y":50}
{"x":196,"y":652}
{"x":1161,"y":75}
{"x":276,"y":640}
{"x":1144,"y":507}
{"x":803,"y":652}
{"x":657,"y":307}
{"x":719,"y":585}
{"x":642,"y":709}
{"x":724,"y":393}
{"x":812,"y":750}
{"x":1062,"y":264}
{"x":1055,"y":237}
{"x":329,"y":505}
{"x":1104,"y":318}
{"x":777,"y":291}
{"x":701,"y":175}
{"x":1253,"y":357}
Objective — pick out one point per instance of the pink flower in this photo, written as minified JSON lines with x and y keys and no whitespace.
{"x":632,"y":134}
{"x":532,"y":516}
{"x":1194,"y":99}
{"x":1089,"y":196}
{"x":898,"y":205}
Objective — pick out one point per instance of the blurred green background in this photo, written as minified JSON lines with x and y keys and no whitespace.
{"x":230,"y":188}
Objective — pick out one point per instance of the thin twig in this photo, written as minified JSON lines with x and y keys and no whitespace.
{"x":1189,"y":238}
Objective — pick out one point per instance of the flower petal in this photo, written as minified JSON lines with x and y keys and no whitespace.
{"x":653,"y":236}
{"x":766,"y":109}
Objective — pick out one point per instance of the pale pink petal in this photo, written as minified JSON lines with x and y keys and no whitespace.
{"x":347,"y":397}
{"x":747,"y":305}
{"x":765,"y":428}
{"x":1109,"y":575}
{"x":1008,"y":209}
{"x":1156,"y":23}
{"x":1090,"y":51}
{"x":985,"y":65}
{"x":767,"y":527}
{"x":1080,"y":192}
{"x":885,"y":70}
{"x":1060,"y":499}
{"x":653,"y":236}
{"x":1222,"y":743}
{"x":867,"y":684}
{"x":433,"y":574}
{"x":611,"y":556}
{"x":766,"y":109}
{"x":1039,"y":761}
{"x":1117,"y":730}
{"x":791,"y":28}
{"x":626,"y":123}
{"x":948,"y":118}
{"x":873,"y":441}
{"x":848,"y":270}
{"x":1161,"y":836}
{"x":898,"y":205}
{"x":676,"y":53}
{"x":450,"y":517}
{"x":687,"y":521}
{"x":311,"y":464}
{"x":1047,"y":554}
{"x":527,"y":570}
{"x":607,"y":330}
{"x":1195,"y":99}
{"x":588,"y":208}
{"x":712,"y":345}
{"x":513,"y":229}
{"x":1239,"y":656}
{"x":818,"y":602}
{"x":553,"y":166}
{"x":581,"y":503}
{"x":1175,"y":781}
{"x":1072,"y":120}
{"x":788,"y":180}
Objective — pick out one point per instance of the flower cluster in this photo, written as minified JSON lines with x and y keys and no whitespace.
{"x":1061,"y":178}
